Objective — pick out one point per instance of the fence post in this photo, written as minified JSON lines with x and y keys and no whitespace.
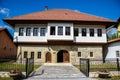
{"x":26,"y":67}
{"x":88,"y":62}
{"x":118,"y":65}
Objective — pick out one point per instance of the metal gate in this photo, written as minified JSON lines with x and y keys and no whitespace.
{"x":29,"y":66}
{"x":84,"y":66}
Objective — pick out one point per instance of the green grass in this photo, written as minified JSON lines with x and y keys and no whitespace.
{"x":6,"y":78}
{"x":7,"y":66}
{"x":93,"y":68}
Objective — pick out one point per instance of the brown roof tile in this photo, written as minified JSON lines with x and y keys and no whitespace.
{"x":114,"y":40}
{"x":60,"y":14}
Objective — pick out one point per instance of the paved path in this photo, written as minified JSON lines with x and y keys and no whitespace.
{"x":61,"y":71}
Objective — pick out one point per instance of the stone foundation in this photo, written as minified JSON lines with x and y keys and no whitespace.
{"x":72,"y":50}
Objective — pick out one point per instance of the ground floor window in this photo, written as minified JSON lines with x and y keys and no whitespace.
{"x":25,"y":54}
{"x":32,"y":54}
{"x":91,"y":54}
{"x":79,"y":54}
{"x":117,"y":53}
{"x":39,"y":55}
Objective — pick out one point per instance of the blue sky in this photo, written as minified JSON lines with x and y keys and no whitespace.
{"x":104,"y":8}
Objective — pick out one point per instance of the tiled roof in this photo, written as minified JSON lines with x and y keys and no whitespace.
{"x":60,"y":14}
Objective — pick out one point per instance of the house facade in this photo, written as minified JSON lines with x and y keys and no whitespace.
{"x":8,"y":49}
{"x":113,"y":48}
{"x":59,"y":36}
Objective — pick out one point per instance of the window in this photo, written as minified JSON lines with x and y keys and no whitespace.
{"x":32,"y":54}
{"x":79,"y":54}
{"x":35,"y":32}
{"x":83,"y":32}
{"x":52,"y":30}
{"x":39,"y":55}
{"x":99,"y":32}
{"x":25,"y":54}
{"x":21,"y":31}
{"x":67,"y":30}
{"x":117,"y":53}
{"x":76,"y":31}
{"x":42,"y":31}
{"x":91,"y":54}
{"x":28,"y":31}
{"x":91,"y":32}
{"x":60,"y":30}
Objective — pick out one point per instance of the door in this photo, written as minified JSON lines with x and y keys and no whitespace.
{"x":48,"y":57}
{"x":65,"y":56}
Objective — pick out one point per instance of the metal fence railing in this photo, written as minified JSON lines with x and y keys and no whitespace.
{"x":95,"y":65}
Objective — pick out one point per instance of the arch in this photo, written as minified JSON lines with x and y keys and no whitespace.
{"x":63,"y":56}
{"x":48,"y":57}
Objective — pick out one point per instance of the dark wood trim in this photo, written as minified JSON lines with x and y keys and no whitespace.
{"x":65,"y":43}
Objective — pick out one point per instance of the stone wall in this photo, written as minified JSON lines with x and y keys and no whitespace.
{"x":73,"y":52}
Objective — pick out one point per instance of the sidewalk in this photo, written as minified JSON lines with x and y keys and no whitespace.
{"x":60,"y":71}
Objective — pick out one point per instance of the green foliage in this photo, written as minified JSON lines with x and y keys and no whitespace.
{"x":114,"y":36}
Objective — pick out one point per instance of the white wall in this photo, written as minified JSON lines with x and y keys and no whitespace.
{"x":112,"y":48}
{"x":87,"y":38}
{"x":80,"y":38}
{"x":29,"y":38}
{"x":58,"y":37}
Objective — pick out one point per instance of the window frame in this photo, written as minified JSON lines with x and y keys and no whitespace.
{"x":28,"y":31}
{"x":35,"y":31}
{"x":92,"y":54}
{"x":32,"y":55}
{"x":77,"y":30}
{"x":79,"y":54}
{"x":67,"y":30}
{"x":52,"y":30}
{"x":91,"y":32}
{"x":39,"y":55}
{"x":99,"y":32}
{"x":25,"y":54}
{"x":84,"y":32}
{"x":60,"y":31}
{"x":117,"y":53}
{"x":42,"y":31}
{"x":21,"y":31}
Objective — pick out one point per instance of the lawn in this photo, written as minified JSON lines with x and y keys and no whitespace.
{"x":5,"y":78}
{"x":7,"y":66}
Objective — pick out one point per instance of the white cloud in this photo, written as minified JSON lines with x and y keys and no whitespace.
{"x":4,"y":11}
{"x":76,"y":10}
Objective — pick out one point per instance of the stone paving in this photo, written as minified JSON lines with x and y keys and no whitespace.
{"x":61,"y":71}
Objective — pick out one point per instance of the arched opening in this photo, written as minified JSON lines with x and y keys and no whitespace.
{"x":48,"y":57}
{"x":63,"y":56}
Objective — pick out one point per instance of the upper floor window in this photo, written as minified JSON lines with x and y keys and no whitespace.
{"x":117,"y":53}
{"x":28,"y":31}
{"x":35,"y":32}
{"x":32,"y":54}
{"x":79,"y":54}
{"x":99,"y":32}
{"x":52,"y":30}
{"x":91,"y":54}
{"x":25,"y":54}
{"x":67,"y":30}
{"x":91,"y":32}
{"x":60,"y":30}
{"x":42,"y":31}
{"x":39,"y":55}
{"x":21,"y":31}
{"x":84,"y":31}
{"x":76,"y":31}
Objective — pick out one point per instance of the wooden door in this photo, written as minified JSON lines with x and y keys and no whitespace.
{"x":48,"y":57}
{"x":65,"y":56}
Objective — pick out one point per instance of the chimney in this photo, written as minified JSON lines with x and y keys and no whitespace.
{"x":46,"y":8}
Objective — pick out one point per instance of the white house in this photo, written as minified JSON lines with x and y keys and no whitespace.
{"x":59,"y":35}
{"x":113,"y":48}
